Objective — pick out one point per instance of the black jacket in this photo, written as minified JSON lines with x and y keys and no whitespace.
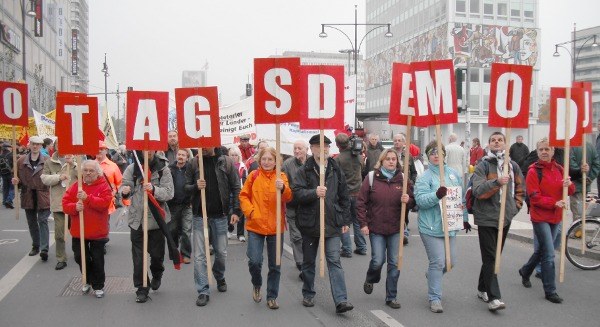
{"x":337,"y":201}
{"x":228,"y":179}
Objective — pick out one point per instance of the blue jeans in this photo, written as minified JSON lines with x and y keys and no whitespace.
{"x":310,"y":245}
{"x":37,"y":221}
{"x":380,"y":244}
{"x":255,"y":260}
{"x":218,"y":231}
{"x":359,"y":239}
{"x":545,"y":233}
{"x":8,"y":189}
{"x":536,"y":246}
{"x":434,"y":246}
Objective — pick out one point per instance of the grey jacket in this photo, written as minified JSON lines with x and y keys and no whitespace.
{"x":486,"y":190}
{"x":290,"y":167}
{"x":53,"y":168}
{"x":163,"y":192}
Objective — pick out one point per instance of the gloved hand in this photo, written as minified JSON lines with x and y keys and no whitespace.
{"x":466,"y":226}
{"x":441,"y":192}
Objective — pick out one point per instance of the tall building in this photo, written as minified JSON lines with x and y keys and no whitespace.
{"x":344,"y":58}
{"x":587,"y":65}
{"x":56,"y":47}
{"x":480,"y":32}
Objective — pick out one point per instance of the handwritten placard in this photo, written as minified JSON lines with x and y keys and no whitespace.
{"x":454,"y":208}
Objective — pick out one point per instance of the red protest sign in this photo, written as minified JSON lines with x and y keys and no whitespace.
{"x":198,"y":117}
{"x":435,"y":93}
{"x":402,"y":94}
{"x":558,"y":117}
{"x":147,"y":120}
{"x":77,"y":123}
{"x":276,"y":97}
{"x":588,"y":117}
{"x":14,"y":103}
{"x":509,"y":95}
{"x":322,"y":88}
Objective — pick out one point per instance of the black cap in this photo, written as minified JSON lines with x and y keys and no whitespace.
{"x":315,"y":139}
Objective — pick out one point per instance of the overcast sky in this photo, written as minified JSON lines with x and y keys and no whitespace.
{"x":149,"y":43}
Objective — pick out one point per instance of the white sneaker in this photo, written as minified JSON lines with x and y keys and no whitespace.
{"x":86,"y":288}
{"x":242,"y":238}
{"x":99,"y":293}
{"x":483,"y":296}
{"x":230,"y":236}
{"x":496,"y":305}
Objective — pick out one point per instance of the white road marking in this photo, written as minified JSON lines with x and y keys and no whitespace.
{"x":14,"y":276}
{"x":386,"y":318}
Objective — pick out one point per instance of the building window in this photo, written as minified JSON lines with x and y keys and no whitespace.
{"x":502,"y":9}
{"x":488,"y":8}
{"x":528,"y":10}
{"x":486,"y":76}
{"x":461,"y":6}
{"x":515,"y":9}
{"x":474,"y":75}
{"x":474,"y":6}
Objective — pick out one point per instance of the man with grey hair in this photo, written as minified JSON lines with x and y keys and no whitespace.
{"x":290,"y":167}
{"x":455,"y":155}
{"x":373,"y":151}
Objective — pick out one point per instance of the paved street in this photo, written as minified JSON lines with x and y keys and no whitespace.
{"x":32,"y":293}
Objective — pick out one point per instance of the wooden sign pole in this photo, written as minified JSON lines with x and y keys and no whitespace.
{"x":205,"y":219}
{"x":17,"y":199}
{"x":146,"y":179}
{"x":81,"y":227}
{"x":505,"y":171}
{"x":277,"y":198}
{"x":405,"y":178}
{"x":563,"y":233}
{"x":438,"y":132}
{"x":322,"y":204}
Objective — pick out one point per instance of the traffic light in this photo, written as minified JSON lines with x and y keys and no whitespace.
{"x":248,"y":89}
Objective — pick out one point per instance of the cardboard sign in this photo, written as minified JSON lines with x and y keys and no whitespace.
{"x":14,"y":103}
{"x":509,"y":95}
{"x":435,"y":93}
{"x":322,"y":88}
{"x":198,"y":117}
{"x":402,"y":94}
{"x":276,"y":84}
{"x":77,"y":123}
{"x":454,"y":208}
{"x":558,"y":108}
{"x":147,"y":120}
{"x":588,"y":126}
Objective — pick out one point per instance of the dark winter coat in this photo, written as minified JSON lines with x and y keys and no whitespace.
{"x":30,"y":183}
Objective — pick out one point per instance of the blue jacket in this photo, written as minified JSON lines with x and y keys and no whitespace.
{"x":430,"y":214}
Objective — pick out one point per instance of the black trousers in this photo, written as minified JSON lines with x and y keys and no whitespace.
{"x":94,"y":261}
{"x":488,"y":280}
{"x":156,"y":249}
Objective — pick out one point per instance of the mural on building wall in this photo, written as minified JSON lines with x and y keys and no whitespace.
{"x":481,"y":45}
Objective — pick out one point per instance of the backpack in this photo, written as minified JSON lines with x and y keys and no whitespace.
{"x":470,"y":198}
{"x":4,"y":166}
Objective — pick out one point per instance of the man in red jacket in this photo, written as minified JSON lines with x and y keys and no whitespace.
{"x":93,"y":199}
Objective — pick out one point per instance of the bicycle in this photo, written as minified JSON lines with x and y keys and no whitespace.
{"x":591,"y":259}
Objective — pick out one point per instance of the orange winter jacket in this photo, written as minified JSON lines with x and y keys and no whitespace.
{"x":258,"y":199}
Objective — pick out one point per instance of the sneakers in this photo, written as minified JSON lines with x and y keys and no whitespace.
{"x":554,"y":298}
{"x":256,"y":294}
{"x":222,"y":285}
{"x":186,"y":260}
{"x":405,"y":240}
{"x":308,"y":302}
{"x":99,"y":293}
{"x":44,"y":255}
{"x":496,"y":305}
{"x":368,"y":287}
{"x":346,"y":254}
{"x":155,"y":284}
{"x":343,"y":307}
{"x":360,"y":252}
{"x":202,"y":300}
{"x":34,"y":251}
{"x":436,"y":306}
{"x":86,"y":288}
{"x":524,"y":280}
{"x":60,"y":265}
{"x":272,"y":304}
{"x":141,"y":295}
{"x":9,"y":205}
{"x":483,"y":296}
{"x":230,"y":236}
{"x":393,"y":304}
{"x":242,"y":238}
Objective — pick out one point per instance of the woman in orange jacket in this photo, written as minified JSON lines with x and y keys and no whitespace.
{"x":258,"y":202}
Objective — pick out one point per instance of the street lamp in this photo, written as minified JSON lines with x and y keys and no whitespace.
{"x":575,"y":54}
{"x":354,"y":48}
{"x":24,"y":14}
{"x":348,"y":51}
{"x":105,"y":71}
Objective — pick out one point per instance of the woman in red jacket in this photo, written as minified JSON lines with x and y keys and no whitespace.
{"x":378,"y":209}
{"x":545,"y":197}
{"x":94,"y":199}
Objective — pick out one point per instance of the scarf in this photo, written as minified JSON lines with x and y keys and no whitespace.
{"x":387,"y":173}
{"x":500,"y":157}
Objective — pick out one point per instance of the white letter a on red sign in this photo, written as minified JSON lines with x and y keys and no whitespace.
{"x":146,"y":113}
